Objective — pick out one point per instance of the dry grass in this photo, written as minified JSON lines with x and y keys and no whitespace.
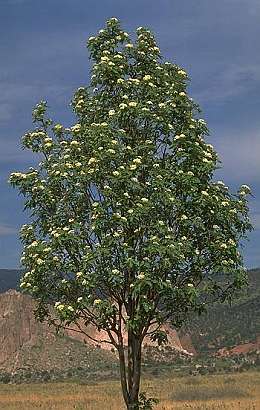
{"x":220,"y":392}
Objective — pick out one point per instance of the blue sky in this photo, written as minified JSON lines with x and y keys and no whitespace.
{"x":43,"y":56}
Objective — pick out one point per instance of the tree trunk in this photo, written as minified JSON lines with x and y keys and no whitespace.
{"x":123,"y":374}
{"x":134,"y":369}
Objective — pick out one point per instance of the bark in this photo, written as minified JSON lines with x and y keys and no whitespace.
{"x":134,"y":369}
{"x":123,"y":374}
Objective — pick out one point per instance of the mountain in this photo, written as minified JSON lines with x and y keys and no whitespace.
{"x":28,"y":344}
{"x":33,"y":346}
{"x":224,"y":327}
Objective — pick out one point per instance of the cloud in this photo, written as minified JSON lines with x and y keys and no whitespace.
{"x":7,"y":230}
{"x":5,"y":111}
{"x":239,"y":152}
{"x":12,"y":95}
{"x":227,"y":82}
{"x":15,"y":1}
{"x":256,"y":220}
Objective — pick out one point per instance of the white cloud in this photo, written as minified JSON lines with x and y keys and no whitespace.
{"x":7,"y":230}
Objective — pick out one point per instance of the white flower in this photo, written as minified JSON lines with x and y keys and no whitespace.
{"x":208,"y":154}
{"x":80,"y":299}
{"x":182,"y":94}
{"x":190,"y":285}
{"x":144,"y":200}
{"x":132,"y":104}
{"x":132,"y":167}
{"x":120,"y":81}
{"x":129,"y":45}
{"x":141,"y":276}
{"x":122,"y":106}
{"x":97,"y":301}
{"x":126,"y":194}
{"x":223,"y":246}
{"x":111,"y":112}
{"x":190,"y":173}
{"x":220,"y":183}
{"x":182,"y":72}
{"x":184,"y":217}
{"x":205,"y":193}
{"x":130,"y":211}
{"x":92,"y":161}
{"x":107,"y":187}
{"x":147,"y":78}
{"x":116,"y":173}
{"x":215,"y":227}
{"x":137,"y":160}
{"x":111,"y":151}
{"x":244,"y":189}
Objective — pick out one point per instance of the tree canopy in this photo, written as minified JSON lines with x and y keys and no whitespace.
{"x":129,"y":227}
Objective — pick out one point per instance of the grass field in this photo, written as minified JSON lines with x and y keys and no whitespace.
{"x":236,"y":391}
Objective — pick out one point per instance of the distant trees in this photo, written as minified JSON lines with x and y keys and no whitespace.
{"x":129,"y":229}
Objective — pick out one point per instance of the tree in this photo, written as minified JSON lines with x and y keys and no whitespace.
{"x":129,"y":229}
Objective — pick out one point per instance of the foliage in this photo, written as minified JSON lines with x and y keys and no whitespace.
{"x":129,"y":228}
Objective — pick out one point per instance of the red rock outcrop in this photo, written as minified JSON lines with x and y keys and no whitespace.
{"x":20,"y":331}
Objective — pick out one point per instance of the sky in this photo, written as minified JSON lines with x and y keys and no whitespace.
{"x":44,"y":57}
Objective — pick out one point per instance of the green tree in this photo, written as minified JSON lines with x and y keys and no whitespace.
{"x":129,"y":230}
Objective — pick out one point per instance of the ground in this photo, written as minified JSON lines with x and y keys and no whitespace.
{"x":238,"y":391}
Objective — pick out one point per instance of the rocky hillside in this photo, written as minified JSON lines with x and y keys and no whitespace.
{"x":26,"y":343}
